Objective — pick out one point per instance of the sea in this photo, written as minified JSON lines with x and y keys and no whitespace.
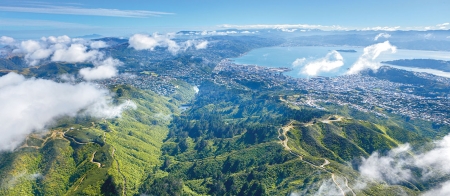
{"x":285,"y":56}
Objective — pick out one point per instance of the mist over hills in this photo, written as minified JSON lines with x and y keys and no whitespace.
{"x":171,"y":115}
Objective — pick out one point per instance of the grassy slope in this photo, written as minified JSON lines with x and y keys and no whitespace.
{"x":211,"y":163}
{"x":62,"y":166}
{"x":266,"y":162}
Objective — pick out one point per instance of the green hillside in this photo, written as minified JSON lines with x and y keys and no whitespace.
{"x":85,"y":156}
{"x":228,"y":142}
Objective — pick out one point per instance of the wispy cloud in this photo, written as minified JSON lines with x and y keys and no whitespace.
{"x":294,"y":27}
{"x":10,"y":22}
{"x":379,"y":28}
{"x":383,"y":35}
{"x":405,"y":164}
{"x":283,"y":26}
{"x":72,"y":10}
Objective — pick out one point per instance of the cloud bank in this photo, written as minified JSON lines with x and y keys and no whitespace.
{"x":282,"y":26}
{"x":102,"y":70}
{"x":5,"y":40}
{"x":76,"y":53}
{"x":59,"y":49}
{"x":33,"y":104}
{"x":291,"y":27}
{"x":147,"y":42}
{"x":367,"y":59}
{"x":400,"y":164}
{"x":331,"y":61}
{"x":98,"y":44}
{"x":66,"y":49}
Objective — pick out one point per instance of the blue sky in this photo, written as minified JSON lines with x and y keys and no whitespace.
{"x":123,"y":18}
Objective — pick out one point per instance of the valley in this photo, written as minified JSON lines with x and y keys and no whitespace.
{"x":197,"y":123}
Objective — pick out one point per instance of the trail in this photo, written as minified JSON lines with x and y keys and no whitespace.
{"x":55,"y":134}
{"x":92,"y":160}
{"x":77,"y":142}
{"x":346,"y":184}
{"x":337,"y":184}
{"x":328,"y":121}
{"x":79,"y":183}
{"x":283,"y":131}
{"x":124,"y":190}
{"x":325,"y":163}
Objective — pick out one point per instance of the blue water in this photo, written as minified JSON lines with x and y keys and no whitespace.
{"x":285,"y":56}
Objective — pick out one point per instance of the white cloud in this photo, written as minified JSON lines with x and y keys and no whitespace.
{"x":57,"y":40}
{"x":442,"y":190}
{"x":103,"y":108}
{"x":34,"y":51}
{"x":386,"y":28}
{"x":33,"y":104}
{"x":60,"y":49}
{"x":367,"y":59}
{"x":283,"y":26}
{"x":30,"y":46}
{"x":75,"y":53}
{"x":98,"y":44}
{"x":143,"y":42}
{"x":443,"y":26}
{"x":17,"y":177}
{"x":201,"y":45}
{"x":65,"y":49}
{"x":428,"y":36}
{"x":386,"y":168}
{"x":231,"y":32}
{"x":102,"y":70}
{"x":331,"y":61}
{"x":146,"y":42}
{"x":298,"y":62}
{"x":289,"y":30}
{"x":196,"y":89}
{"x":70,"y":10}
{"x":207,"y":33}
{"x":304,"y":27}
{"x":328,"y":187}
{"x":217,"y":33}
{"x":383,"y":35}
{"x":397,"y":165}
{"x":67,"y":78}
{"x":5,"y":40}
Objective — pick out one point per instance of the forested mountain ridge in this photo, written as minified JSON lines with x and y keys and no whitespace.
{"x":198,"y":130}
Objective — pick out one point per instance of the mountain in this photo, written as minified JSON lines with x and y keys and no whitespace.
{"x":91,"y":156}
{"x":422,"y":63}
{"x":205,"y":126}
{"x":91,"y":36}
{"x":228,"y":142}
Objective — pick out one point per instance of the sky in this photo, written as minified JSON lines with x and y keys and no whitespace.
{"x":28,"y":19}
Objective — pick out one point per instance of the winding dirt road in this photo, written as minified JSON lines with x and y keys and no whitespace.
{"x":282,"y":132}
{"x":92,"y":160}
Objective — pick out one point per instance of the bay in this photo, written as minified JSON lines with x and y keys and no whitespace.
{"x":285,"y":56}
